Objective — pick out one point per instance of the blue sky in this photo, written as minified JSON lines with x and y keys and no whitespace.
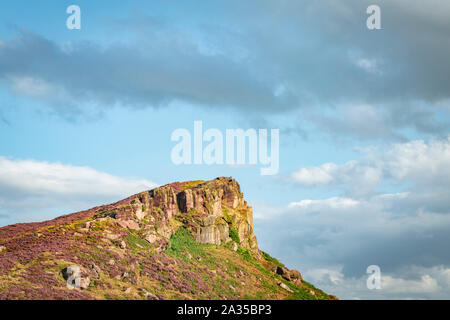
{"x":86,"y":118}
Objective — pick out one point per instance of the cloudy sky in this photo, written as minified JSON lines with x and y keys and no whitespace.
{"x":86,"y":118}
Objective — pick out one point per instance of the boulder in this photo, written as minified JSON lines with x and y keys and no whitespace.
{"x":130,"y":224}
{"x":76,"y":277}
{"x":295,"y":275}
{"x":284,"y":272}
{"x":285,"y":287}
{"x":84,"y":283}
{"x":112,"y":236}
{"x":290,"y":275}
{"x":151,"y":237}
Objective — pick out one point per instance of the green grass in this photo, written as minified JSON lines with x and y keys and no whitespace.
{"x":302,"y":293}
{"x":234,"y":235}
{"x":320,"y":293}
{"x":133,"y":241}
{"x":245,"y":253}
{"x":299,"y":293}
{"x":182,"y":242}
{"x":192,"y":184}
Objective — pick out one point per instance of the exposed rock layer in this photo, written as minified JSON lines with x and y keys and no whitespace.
{"x":215,"y":207}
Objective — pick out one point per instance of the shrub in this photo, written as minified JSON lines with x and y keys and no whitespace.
{"x":182,"y":241}
{"x":234,"y":235}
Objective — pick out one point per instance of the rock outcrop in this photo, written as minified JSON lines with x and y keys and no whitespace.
{"x":217,"y":207}
{"x":289,"y":275}
{"x":184,"y":240}
{"x":210,"y":209}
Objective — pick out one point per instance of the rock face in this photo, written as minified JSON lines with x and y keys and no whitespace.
{"x":210,"y":209}
{"x":217,"y":207}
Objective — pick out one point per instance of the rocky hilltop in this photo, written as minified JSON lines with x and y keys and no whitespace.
{"x":184,"y":240}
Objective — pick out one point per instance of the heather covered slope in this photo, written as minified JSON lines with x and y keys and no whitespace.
{"x":191,"y":240}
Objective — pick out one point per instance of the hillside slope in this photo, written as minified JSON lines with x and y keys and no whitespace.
{"x":191,"y":240}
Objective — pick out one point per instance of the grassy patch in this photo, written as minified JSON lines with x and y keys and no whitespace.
{"x":183,"y":242}
{"x":192,"y":184}
{"x":245,"y":253}
{"x":319,"y":293}
{"x":301,"y":295}
{"x":134,"y":242}
{"x":234,"y":235}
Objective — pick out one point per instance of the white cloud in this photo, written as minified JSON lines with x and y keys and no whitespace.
{"x":315,"y":175}
{"x":335,"y":203}
{"x":31,"y":87}
{"x":332,"y":241}
{"x":325,"y":276}
{"x":226,"y":55}
{"x":416,"y":283}
{"x":27,"y":185}
{"x":419,"y":161}
{"x":416,"y":161}
{"x":426,"y":284}
{"x":358,"y":177}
